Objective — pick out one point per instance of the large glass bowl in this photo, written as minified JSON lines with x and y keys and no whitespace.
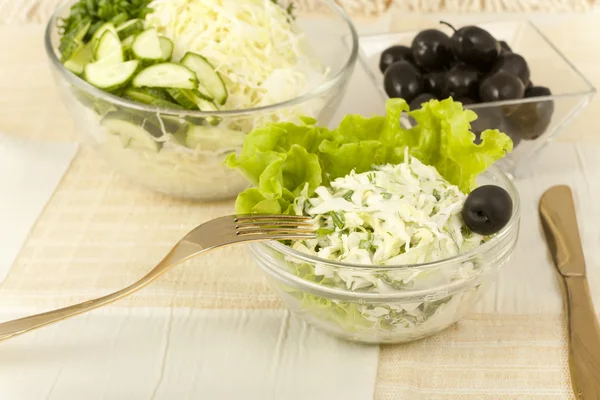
{"x":181,"y":153}
{"x":530,"y":122}
{"x":435,"y":295}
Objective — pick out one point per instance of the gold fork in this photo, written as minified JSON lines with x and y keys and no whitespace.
{"x":219,"y":232}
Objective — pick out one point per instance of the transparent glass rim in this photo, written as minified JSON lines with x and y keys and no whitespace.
{"x":463,"y":257}
{"x":73,"y":79}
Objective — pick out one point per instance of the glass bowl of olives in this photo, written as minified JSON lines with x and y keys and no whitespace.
{"x":508,"y":73}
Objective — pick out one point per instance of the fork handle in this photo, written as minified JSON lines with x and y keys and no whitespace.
{"x":23,"y":325}
{"x":584,"y":339}
{"x":181,"y":252}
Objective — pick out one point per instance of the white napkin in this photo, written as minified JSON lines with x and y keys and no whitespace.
{"x":30,"y":171}
{"x":154,"y":353}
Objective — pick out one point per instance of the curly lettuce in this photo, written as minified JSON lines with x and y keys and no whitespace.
{"x":280,"y":159}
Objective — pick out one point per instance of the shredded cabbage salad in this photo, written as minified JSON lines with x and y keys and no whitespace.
{"x":253,"y":44}
{"x":383,"y":195}
{"x":394,"y":215}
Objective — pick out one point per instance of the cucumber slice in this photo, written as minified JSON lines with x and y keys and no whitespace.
{"x":207,"y":105}
{"x":109,"y":50}
{"x":73,"y":40}
{"x":130,"y":28}
{"x":132,"y":135}
{"x":110,"y":76}
{"x":128,"y":41}
{"x":166,"y":75}
{"x":166,"y":46}
{"x":204,"y":93}
{"x":98,"y":34}
{"x":126,"y":45}
{"x":207,"y":76}
{"x":146,"y":46}
{"x":186,"y":97}
{"x":152,"y":96}
{"x":157,"y":126}
{"x":79,"y":59}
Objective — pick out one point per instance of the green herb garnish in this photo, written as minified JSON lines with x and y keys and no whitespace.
{"x":86,"y":16}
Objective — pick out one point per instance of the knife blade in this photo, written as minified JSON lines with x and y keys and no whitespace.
{"x":562,"y":234}
{"x":559,"y":221}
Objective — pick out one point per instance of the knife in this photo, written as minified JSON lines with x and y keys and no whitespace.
{"x":557,"y":212}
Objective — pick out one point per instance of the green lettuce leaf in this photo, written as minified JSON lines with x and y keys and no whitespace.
{"x":281,"y":159}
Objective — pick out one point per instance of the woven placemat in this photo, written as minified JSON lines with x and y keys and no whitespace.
{"x":26,"y":11}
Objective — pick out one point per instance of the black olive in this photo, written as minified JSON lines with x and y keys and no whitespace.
{"x":394,"y":54}
{"x":513,"y":64}
{"x":530,"y":120}
{"x":465,"y":100}
{"x":431,"y":49}
{"x":529,"y":86}
{"x":487,"y":209}
{"x":487,"y":118}
{"x":501,"y":86}
{"x":416,"y":103}
{"x":434,"y":83}
{"x":537,"y":91}
{"x":505,"y":48}
{"x":475,"y":46}
{"x":403,"y":80}
{"x":462,"y":81}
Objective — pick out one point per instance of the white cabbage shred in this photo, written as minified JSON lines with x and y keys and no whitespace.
{"x":261,"y":55}
{"x":394,"y":215}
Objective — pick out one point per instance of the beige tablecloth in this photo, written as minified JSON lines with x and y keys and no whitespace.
{"x":20,"y":11}
{"x":99,"y":233}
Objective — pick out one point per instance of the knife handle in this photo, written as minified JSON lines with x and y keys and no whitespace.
{"x":584,"y":339}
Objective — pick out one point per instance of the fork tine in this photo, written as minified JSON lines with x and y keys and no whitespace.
{"x":275,"y":230}
{"x":253,"y":224}
{"x":270,"y":217}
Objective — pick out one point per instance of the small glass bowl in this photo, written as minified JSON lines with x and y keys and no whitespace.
{"x":435,"y":296}
{"x":530,"y":122}
{"x":181,"y":153}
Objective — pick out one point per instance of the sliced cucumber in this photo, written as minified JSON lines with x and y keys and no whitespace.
{"x":109,"y":50}
{"x":128,"y":41}
{"x":146,"y":46}
{"x":99,"y":32}
{"x":204,"y":93}
{"x":80,"y":58}
{"x":132,"y":135}
{"x":166,"y":75}
{"x":207,"y":76}
{"x":166,"y":46}
{"x":73,"y":40}
{"x":130,"y":28}
{"x":186,"y":97}
{"x":157,"y":126}
{"x":110,"y":76}
{"x":126,"y":45}
{"x":207,"y":105}
{"x":152,"y":96}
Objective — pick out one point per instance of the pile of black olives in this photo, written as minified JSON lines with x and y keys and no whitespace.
{"x":472,"y":67}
